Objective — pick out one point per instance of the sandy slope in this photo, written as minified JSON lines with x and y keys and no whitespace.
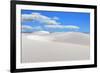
{"x":69,"y":37}
{"x":44,"y":51}
{"x":73,"y":37}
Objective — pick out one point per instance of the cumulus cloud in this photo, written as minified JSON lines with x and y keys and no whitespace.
{"x":49,"y":22}
{"x":44,"y":19}
{"x":63,"y":26}
{"x":26,"y":17}
{"x":27,"y":28}
{"x":41,"y":18}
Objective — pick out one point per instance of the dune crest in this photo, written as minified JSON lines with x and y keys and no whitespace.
{"x":66,"y":37}
{"x":73,"y":37}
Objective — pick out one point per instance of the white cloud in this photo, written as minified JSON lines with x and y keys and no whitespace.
{"x":44,"y":19}
{"x":63,"y":26}
{"x":55,"y":18}
{"x":47,"y":21}
{"x":27,"y":17}
{"x":39,"y":17}
{"x":72,"y":27}
{"x":54,"y":26}
{"x":27,"y":27}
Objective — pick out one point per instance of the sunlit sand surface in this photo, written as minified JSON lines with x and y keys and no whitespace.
{"x":67,"y":46}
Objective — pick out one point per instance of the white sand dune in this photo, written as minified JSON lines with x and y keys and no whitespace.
{"x":73,"y":37}
{"x":36,"y":48}
{"x":69,"y":37}
{"x":39,"y":38}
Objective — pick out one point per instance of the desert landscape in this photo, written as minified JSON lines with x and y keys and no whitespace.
{"x":49,"y":36}
{"x":42,"y":46}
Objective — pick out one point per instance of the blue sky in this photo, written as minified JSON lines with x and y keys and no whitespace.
{"x":35,"y":20}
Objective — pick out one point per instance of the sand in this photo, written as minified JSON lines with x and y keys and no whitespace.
{"x":54,"y":48}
